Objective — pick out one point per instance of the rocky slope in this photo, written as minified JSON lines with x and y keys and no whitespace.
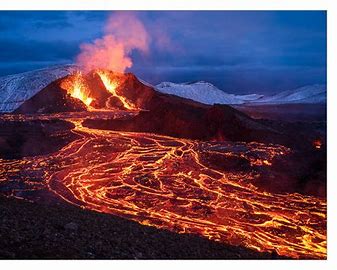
{"x":63,"y":231}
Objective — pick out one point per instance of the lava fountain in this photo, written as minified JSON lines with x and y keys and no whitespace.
{"x":80,"y":86}
{"x":109,"y":57}
{"x":76,"y":87}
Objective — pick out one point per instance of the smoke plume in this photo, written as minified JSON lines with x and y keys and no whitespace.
{"x":124,"y":32}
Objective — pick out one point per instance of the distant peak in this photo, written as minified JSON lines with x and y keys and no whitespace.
{"x":200,"y":82}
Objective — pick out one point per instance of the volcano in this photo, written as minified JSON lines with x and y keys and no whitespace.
{"x":95,"y":90}
{"x":156,"y":112}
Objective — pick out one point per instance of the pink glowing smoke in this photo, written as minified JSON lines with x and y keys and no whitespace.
{"x":124,"y":32}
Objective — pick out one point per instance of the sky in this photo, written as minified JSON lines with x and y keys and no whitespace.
{"x":238,"y":51}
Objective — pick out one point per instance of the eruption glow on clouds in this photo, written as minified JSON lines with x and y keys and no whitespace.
{"x":124,"y":32}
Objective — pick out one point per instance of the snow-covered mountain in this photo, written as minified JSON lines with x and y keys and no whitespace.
{"x":307,"y":94}
{"x":207,"y":93}
{"x":204,"y":92}
{"x":16,"y":89}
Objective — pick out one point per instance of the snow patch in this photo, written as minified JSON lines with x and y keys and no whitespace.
{"x":204,"y":92}
{"x":307,"y":94}
{"x":16,"y":89}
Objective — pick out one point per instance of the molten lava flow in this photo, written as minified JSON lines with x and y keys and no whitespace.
{"x":112,"y":85}
{"x":164,"y":182}
{"x":161,"y":181}
{"x":76,"y":87}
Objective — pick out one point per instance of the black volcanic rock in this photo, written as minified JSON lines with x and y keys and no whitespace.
{"x":51,"y":99}
{"x":286,"y":112}
{"x":135,"y":91}
{"x":182,"y":118}
{"x":97,"y":90}
{"x":37,"y":231}
{"x":36,"y":137}
{"x":302,"y":172}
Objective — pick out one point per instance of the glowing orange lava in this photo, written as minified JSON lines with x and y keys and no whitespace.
{"x":76,"y":87}
{"x":111,"y":86}
{"x":164,"y":182}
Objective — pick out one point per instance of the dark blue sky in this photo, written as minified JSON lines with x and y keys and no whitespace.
{"x":238,"y":51}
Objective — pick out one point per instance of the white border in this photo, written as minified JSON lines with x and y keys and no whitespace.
{"x":164,"y":4}
{"x":211,"y":5}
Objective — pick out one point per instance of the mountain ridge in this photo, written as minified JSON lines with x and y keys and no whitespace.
{"x":208,"y":93}
{"x":17,"y":88}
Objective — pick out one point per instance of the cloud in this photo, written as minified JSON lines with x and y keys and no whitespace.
{"x":12,"y":50}
{"x":249,"y":49}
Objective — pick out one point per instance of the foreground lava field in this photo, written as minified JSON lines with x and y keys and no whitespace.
{"x":171,"y":183}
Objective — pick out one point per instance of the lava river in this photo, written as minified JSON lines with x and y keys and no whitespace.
{"x":163,"y":182}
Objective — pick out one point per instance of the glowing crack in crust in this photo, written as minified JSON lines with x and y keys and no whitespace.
{"x":161,"y":181}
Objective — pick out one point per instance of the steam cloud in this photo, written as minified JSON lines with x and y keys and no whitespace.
{"x":124,"y":32}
